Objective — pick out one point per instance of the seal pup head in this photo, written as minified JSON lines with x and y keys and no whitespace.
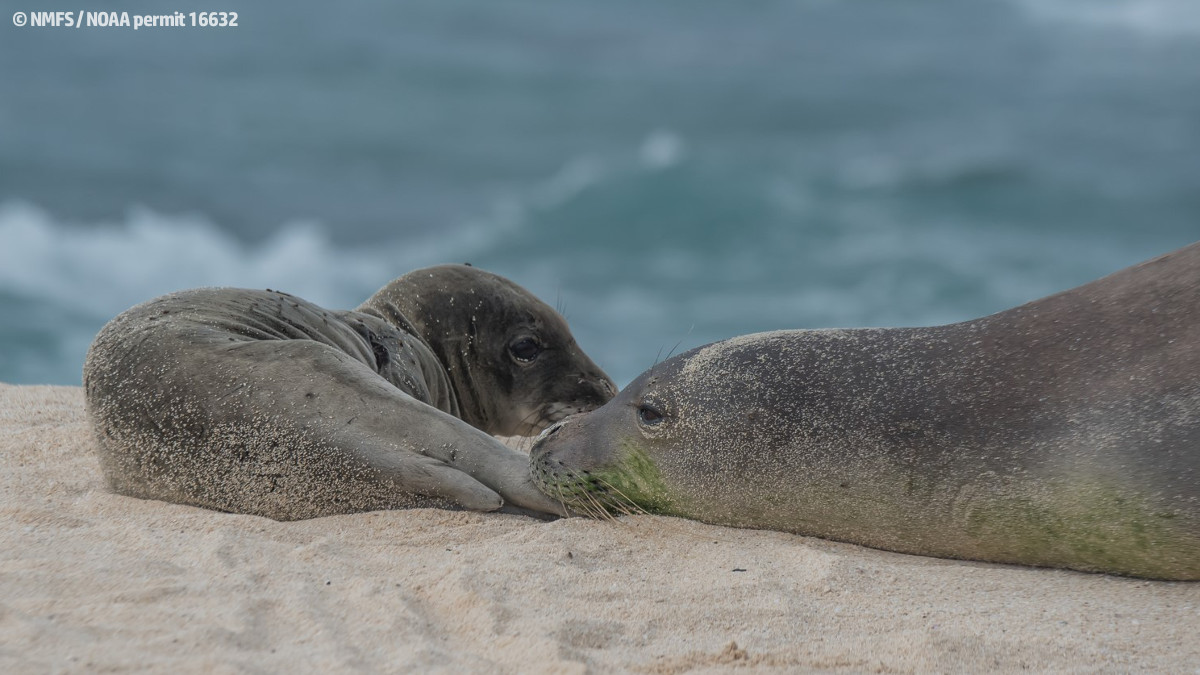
{"x":511,"y":359}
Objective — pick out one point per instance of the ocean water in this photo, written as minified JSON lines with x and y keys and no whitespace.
{"x":670,"y":173}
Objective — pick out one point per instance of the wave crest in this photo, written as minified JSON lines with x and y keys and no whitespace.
{"x":1149,"y":18}
{"x":99,"y":269}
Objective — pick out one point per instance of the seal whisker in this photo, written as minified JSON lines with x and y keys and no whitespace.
{"x":625,"y":504}
{"x":602,"y":512}
{"x":657,"y":359}
{"x":526,"y":420}
{"x":601,"y":509}
{"x":561,"y":501}
{"x":672,"y":352}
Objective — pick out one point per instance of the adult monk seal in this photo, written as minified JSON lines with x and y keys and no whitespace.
{"x":259,"y":402}
{"x":1062,"y":433}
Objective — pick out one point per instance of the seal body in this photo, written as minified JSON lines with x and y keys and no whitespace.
{"x":260,"y":402}
{"x":1062,"y":433}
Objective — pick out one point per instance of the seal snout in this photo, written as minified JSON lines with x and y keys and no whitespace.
{"x":549,"y":442}
{"x":587,"y":392}
{"x":595,"y":389}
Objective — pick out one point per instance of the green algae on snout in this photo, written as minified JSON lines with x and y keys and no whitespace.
{"x":637,"y":479}
{"x":1094,"y":526}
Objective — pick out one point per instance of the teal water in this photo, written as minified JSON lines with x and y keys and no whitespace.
{"x":671,"y":173}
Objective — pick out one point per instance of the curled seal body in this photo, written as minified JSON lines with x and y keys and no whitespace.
{"x":260,"y":402}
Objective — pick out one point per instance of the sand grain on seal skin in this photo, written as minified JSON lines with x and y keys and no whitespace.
{"x":91,"y":582}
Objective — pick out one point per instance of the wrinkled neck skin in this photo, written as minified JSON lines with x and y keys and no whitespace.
{"x":401,"y":304}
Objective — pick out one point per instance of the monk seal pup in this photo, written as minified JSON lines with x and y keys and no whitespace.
{"x":259,"y":402}
{"x":1061,"y":433}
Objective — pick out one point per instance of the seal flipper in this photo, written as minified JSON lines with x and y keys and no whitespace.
{"x":393,"y":439}
{"x":287,"y":429}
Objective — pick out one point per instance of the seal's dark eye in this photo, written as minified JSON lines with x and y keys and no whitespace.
{"x":525,"y":349}
{"x":649,"y":415}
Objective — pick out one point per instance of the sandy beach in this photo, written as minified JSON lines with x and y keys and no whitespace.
{"x":95,"y":582}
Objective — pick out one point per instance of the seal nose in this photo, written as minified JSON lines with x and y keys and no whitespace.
{"x":599,"y":388}
{"x":552,"y":429}
{"x":538,"y":451}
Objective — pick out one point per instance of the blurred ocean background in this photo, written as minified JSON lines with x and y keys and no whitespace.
{"x":670,"y":172}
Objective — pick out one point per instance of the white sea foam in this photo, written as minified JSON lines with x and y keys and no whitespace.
{"x":661,"y":149}
{"x":99,"y":269}
{"x":1149,"y":18}
{"x":573,"y":178}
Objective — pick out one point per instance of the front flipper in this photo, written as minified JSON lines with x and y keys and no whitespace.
{"x":289,"y":429}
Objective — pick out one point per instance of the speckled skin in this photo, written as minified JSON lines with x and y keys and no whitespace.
{"x":1062,"y":433}
{"x":259,"y":402}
